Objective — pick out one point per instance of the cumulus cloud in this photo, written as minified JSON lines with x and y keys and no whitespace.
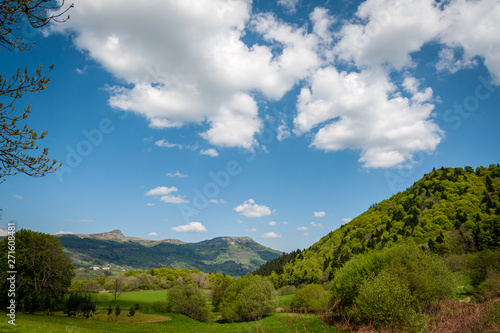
{"x":194,"y":227}
{"x":210,"y":152}
{"x":250,"y":209}
{"x":166,"y":194}
{"x":150,"y":204}
{"x":366,"y":112}
{"x":162,"y":190}
{"x":273,"y":223}
{"x":173,"y":199}
{"x":346,"y":219}
{"x":319,"y":214}
{"x":153,"y":234}
{"x":317,"y":225}
{"x":201,"y":71}
{"x":251,"y":230}
{"x":302,"y":228}
{"x":270,"y":235}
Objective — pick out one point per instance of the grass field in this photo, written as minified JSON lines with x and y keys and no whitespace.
{"x":155,"y":322}
{"x":278,"y":323}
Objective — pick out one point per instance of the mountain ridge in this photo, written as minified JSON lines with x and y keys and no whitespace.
{"x":234,"y":256}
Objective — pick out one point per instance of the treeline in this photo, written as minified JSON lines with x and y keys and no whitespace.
{"x":448,"y":211}
{"x":151,"y":279}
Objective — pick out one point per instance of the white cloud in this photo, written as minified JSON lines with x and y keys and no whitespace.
{"x":471,"y":26}
{"x":302,"y":228}
{"x":285,"y":222}
{"x":393,"y":30}
{"x":165,"y":144}
{"x":17,"y":196}
{"x":173,"y":199}
{"x":201,"y":72}
{"x":273,"y":223}
{"x":251,"y":230}
{"x":218,"y":201}
{"x":210,"y":152}
{"x":250,"y":209}
{"x":59,"y":233}
{"x":319,"y":214}
{"x":290,"y":5}
{"x":195,"y":227}
{"x":177,"y":174}
{"x":305,"y":234}
{"x":318,"y":225}
{"x":166,"y":195}
{"x":153,"y":234}
{"x":3,"y":232}
{"x":150,"y":204}
{"x":161,"y":190}
{"x":365,"y":111}
{"x":270,"y":235}
{"x":239,"y":221}
{"x":346,"y":219}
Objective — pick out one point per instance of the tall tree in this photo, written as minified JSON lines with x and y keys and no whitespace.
{"x":44,"y":272}
{"x":17,"y":140}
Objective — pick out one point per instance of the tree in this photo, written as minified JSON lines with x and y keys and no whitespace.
{"x":189,"y":300}
{"x":117,"y":284}
{"x":249,"y":298}
{"x":15,"y":138}
{"x":44,"y":272}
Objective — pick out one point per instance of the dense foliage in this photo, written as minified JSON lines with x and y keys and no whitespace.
{"x":43,"y":275}
{"x":152,"y":279}
{"x":249,"y":298}
{"x":450,"y":210}
{"x":80,"y":305}
{"x":389,"y":287}
{"x":189,"y":300}
{"x":311,"y":298}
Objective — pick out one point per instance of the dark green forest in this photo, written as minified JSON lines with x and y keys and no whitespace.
{"x":448,"y":211}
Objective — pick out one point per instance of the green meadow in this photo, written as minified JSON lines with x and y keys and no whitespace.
{"x":147,"y":321}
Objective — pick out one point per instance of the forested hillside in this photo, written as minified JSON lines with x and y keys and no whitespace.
{"x":450,"y":210}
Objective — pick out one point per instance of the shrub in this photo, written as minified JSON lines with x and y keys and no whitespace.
{"x":287,"y":290}
{"x":189,"y":300}
{"x":385,"y":301}
{"x":131,"y":311}
{"x":312,"y":298}
{"x":249,"y":298}
{"x":80,"y":304}
{"x":390,"y":286}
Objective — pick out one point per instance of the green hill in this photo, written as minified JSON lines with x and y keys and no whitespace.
{"x":450,"y":210}
{"x":235,"y":256}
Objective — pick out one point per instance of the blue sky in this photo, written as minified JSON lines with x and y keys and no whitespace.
{"x":278,"y":120}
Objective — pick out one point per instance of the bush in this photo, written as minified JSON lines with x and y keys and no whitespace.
{"x":385,"y":301}
{"x":249,"y":298}
{"x":189,"y":300}
{"x":312,"y":298}
{"x":388,"y":287}
{"x":80,"y":304}
{"x":287,"y":290}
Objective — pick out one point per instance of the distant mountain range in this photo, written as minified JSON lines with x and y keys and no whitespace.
{"x":235,"y":256}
